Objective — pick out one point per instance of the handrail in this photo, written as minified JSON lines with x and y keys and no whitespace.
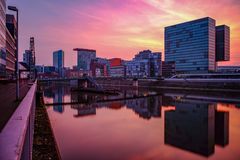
{"x":17,"y":136}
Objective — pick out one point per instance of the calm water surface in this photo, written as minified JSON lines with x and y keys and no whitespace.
{"x":156,"y":127}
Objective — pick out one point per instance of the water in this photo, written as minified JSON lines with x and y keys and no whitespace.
{"x":157,"y":127}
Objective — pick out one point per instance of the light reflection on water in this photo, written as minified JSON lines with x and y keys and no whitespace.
{"x":156,"y":127}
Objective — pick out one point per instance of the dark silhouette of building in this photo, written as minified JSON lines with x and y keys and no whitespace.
{"x":191,"y":127}
{"x":222,"y":43}
{"x":222,"y":128}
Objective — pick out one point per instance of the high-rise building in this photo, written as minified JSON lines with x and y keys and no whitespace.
{"x":3,"y":39}
{"x":84,"y":58}
{"x":28,"y":58}
{"x":11,"y":34}
{"x":191,"y":45}
{"x":222,"y":43}
{"x":58,"y":61}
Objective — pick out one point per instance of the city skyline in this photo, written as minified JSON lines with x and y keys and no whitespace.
{"x":113,"y":28}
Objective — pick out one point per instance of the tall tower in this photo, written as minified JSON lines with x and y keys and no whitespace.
{"x":33,"y":59}
{"x":32,"y":49}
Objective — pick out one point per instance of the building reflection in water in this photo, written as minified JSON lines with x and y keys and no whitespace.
{"x":58,"y":98}
{"x":196,"y":127}
{"x":144,"y":107}
{"x":222,"y":128}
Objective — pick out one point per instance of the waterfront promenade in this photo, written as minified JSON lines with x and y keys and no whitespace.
{"x":8,"y":99}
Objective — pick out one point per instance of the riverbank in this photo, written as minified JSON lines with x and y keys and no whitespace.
{"x":44,"y":145}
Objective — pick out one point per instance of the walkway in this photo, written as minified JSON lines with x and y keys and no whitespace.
{"x":7,"y":100}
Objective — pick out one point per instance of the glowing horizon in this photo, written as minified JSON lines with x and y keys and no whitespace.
{"x":115,"y":28}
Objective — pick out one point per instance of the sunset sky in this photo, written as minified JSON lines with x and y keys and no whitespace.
{"x":115,"y":28}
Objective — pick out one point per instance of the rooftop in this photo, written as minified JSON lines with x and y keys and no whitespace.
{"x":82,"y":49}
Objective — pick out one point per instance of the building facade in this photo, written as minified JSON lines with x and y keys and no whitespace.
{"x":11,"y":34}
{"x":28,"y":58}
{"x":222,"y":43}
{"x":2,"y":39}
{"x":98,"y":68}
{"x":84,"y":58}
{"x":118,"y":71}
{"x":58,"y":62}
{"x":191,"y":45}
{"x":145,"y":64}
{"x":168,"y":69}
{"x":228,"y":69}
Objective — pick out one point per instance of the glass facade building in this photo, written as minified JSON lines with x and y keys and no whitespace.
{"x":191,"y":45}
{"x":145,"y":64}
{"x":84,"y":58}
{"x":2,"y":38}
{"x":58,"y":61}
{"x":222,"y":43}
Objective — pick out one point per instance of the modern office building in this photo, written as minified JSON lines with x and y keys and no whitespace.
{"x":145,"y":64}
{"x":168,"y":69}
{"x":191,"y":45}
{"x":84,"y":58}
{"x":3,"y":39}
{"x":98,"y":68}
{"x":222,"y":43}
{"x":115,"y":62}
{"x":58,"y":62}
{"x":118,"y":71}
{"x":28,"y":58}
{"x":11,"y":34}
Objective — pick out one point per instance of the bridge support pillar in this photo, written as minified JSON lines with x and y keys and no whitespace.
{"x":135,"y":83}
{"x":85,"y":84}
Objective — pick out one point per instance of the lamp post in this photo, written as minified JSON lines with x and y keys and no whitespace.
{"x":13,"y":8}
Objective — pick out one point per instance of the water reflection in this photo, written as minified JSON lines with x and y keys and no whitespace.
{"x":191,"y":127}
{"x":188,"y":125}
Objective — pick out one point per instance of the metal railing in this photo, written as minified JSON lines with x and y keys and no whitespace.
{"x":16,"y":138}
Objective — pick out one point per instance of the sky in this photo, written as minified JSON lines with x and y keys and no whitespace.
{"x":115,"y":28}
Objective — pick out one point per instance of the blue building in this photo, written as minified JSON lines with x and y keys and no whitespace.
{"x":84,"y":58}
{"x":58,"y":61}
{"x":191,"y":45}
{"x":145,"y":64}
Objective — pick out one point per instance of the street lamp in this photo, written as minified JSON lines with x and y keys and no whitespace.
{"x":13,"y":8}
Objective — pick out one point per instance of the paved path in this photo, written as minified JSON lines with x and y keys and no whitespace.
{"x":7,"y":100}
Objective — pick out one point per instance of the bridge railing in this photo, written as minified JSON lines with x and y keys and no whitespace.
{"x":16,"y":138}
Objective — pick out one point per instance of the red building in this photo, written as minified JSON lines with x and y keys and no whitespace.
{"x":98,"y":69}
{"x":115,"y":62}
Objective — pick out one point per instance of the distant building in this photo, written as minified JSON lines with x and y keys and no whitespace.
{"x":228,"y":69}
{"x":222,"y":43}
{"x":168,"y":69}
{"x":32,"y":66}
{"x":145,"y":64}
{"x":84,"y":58}
{"x":28,"y":58}
{"x":98,"y":69}
{"x":191,"y":45}
{"x":11,"y":34}
{"x":3,"y":39}
{"x":58,"y":61}
{"x":118,"y":71}
{"x":40,"y":68}
{"x":115,"y":62}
